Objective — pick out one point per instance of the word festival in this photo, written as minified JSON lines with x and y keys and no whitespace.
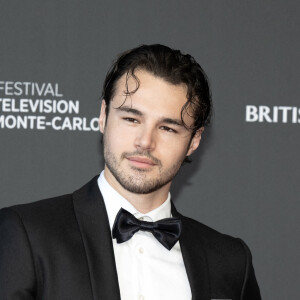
{"x":18,"y":88}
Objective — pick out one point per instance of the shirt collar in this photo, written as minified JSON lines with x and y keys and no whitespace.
{"x":114,"y":201}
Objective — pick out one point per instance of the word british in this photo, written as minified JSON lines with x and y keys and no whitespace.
{"x":272,"y":114}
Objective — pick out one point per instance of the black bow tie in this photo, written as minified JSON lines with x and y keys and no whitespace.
{"x":166,"y":231}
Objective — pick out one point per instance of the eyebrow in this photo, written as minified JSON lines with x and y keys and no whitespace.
{"x":130,"y":110}
{"x":137,"y":112}
{"x":172,"y":121}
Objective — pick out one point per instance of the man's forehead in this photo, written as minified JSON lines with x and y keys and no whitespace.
{"x":128,"y":82}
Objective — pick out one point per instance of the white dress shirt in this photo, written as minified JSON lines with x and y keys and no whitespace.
{"x":146,"y":269}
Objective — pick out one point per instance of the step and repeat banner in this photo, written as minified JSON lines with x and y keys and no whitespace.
{"x":244,"y":178}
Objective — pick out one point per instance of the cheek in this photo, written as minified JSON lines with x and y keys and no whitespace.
{"x":117,"y":138}
{"x":174,"y":150}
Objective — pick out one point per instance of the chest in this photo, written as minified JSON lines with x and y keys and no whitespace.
{"x":147,"y":270}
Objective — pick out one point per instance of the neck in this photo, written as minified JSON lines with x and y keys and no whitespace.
{"x":141,"y":202}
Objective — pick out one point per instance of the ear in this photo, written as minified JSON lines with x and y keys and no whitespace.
{"x":195,"y":141}
{"x":102,"y":117}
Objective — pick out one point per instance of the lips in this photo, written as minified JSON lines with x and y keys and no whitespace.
{"x":142,"y":160}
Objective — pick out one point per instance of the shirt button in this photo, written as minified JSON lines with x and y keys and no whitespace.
{"x":141,"y":218}
{"x":141,"y":250}
{"x":141,"y":297}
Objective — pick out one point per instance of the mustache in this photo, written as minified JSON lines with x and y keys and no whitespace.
{"x":142,"y":153}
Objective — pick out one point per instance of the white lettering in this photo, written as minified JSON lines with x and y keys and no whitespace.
{"x":275,"y":114}
{"x":39,"y":90}
{"x":8,"y":88}
{"x":18,"y":88}
{"x":77,"y":123}
{"x":251,"y":113}
{"x":74,"y":107}
{"x":20,"y":101}
{"x":57,"y":94}
{"x":47,"y":106}
{"x":66,"y":124}
{"x":6,"y":104}
{"x":13,"y":106}
{"x":295,"y":115}
{"x":54,"y":106}
{"x":21,"y":122}
{"x":49,"y":90}
{"x":33,"y":105}
{"x":11,"y":124}
{"x":40,"y":123}
{"x":264,"y":112}
{"x":31,"y":119}
{"x":23,"y":105}
{"x":26,"y":87}
{"x":54,"y":126}
{"x":85,"y":128}
{"x":62,"y":106}
{"x":1,"y":121}
{"x":94,"y":124}
{"x":284,"y":110}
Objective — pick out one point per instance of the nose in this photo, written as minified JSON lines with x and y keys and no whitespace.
{"x":145,"y":138}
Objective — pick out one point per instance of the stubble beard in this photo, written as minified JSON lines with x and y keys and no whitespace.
{"x":137,"y":180}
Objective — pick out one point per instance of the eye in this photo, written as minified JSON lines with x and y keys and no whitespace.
{"x":131,"y":120}
{"x":168,"y":129}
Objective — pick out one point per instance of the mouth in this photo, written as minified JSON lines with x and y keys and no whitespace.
{"x":141,"y":162}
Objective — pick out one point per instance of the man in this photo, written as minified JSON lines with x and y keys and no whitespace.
{"x":120,"y":236}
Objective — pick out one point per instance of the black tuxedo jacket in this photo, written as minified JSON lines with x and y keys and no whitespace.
{"x":61,"y":248}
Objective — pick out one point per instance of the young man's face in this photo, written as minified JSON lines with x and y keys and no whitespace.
{"x":145,"y":141}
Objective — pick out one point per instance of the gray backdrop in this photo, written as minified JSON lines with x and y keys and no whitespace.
{"x":244,"y":180}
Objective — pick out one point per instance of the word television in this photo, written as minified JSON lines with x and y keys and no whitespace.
{"x":39,"y":105}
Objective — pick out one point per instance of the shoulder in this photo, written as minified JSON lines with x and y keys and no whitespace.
{"x":55,"y":213}
{"x":205,"y":231}
{"x":42,"y":217}
{"x":227,"y":257}
{"x":39,"y":209}
{"x":217,"y":244}
{"x":53,"y":216}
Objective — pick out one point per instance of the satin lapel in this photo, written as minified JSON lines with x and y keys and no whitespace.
{"x":94,"y":226}
{"x":192,"y":248}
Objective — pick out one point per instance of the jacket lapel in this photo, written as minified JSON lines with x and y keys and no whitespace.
{"x":94,"y":226}
{"x":194,"y":257}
